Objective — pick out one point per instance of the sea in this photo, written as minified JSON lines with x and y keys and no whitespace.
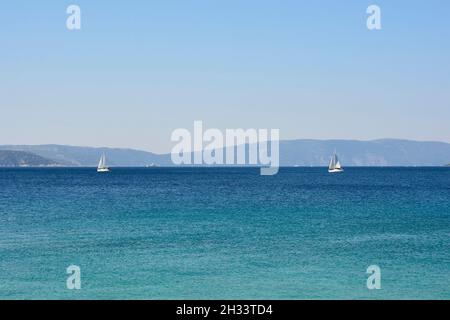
{"x":224,"y":233}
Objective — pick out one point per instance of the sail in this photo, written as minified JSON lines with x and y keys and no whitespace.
{"x":332,"y":163}
{"x":102,"y":163}
{"x":337,"y":163}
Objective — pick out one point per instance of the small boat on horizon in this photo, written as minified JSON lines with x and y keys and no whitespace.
{"x":151,"y":165}
{"x":335,"y":165}
{"x":102,"y":164}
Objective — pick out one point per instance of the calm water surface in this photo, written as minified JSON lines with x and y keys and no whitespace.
{"x":166,"y":233}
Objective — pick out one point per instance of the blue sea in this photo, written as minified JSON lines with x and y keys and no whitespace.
{"x":225,"y":233}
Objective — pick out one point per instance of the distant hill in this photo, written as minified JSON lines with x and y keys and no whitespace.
{"x":378,"y":153}
{"x":24,"y":159}
{"x":385,"y":152}
{"x":89,"y":157}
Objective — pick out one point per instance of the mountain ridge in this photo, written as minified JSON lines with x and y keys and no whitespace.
{"x":297,"y":152}
{"x":76,"y":156}
{"x":12,"y":158}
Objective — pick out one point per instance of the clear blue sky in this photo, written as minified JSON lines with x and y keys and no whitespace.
{"x":137,"y":70}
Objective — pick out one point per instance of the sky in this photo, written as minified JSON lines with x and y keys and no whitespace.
{"x":138,"y":70}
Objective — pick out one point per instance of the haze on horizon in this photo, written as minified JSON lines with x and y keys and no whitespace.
{"x":134,"y":73}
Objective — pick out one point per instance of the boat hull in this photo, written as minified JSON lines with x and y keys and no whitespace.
{"x":335,"y":170}
{"x":103,"y":170}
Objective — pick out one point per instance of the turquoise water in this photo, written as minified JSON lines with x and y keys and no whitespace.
{"x":169,"y":233}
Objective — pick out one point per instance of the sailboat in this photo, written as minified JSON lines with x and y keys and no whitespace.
{"x":335,"y":164}
{"x":102,"y":164}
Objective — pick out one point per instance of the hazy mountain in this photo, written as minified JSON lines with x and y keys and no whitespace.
{"x":386,"y":152}
{"x":23,"y":159}
{"x":87,"y":156}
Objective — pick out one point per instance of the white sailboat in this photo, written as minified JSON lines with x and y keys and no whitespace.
{"x":102,"y":164}
{"x":335,"y":164}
